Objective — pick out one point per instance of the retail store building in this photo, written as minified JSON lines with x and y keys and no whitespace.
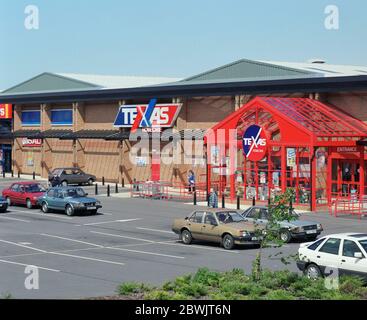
{"x":312,"y":117}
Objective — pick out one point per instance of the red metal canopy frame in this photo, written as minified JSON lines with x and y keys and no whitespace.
{"x":294,"y":122}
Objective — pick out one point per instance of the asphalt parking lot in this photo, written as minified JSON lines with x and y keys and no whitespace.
{"x":130,"y":240}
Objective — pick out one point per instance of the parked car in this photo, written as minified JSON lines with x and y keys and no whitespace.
{"x":216,"y":225}
{"x":71,"y":200}
{"x":3,"y":205}
{"x":295,"y":229}
{"x":347,"y":252}
{"x":24,"y":193}
{"x":66,"y":176}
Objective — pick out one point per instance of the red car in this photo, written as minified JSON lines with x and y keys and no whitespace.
{"x":24,"y":193}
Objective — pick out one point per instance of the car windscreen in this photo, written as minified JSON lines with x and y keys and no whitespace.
{"x":34,"y":188}
{"x":74,"y":193}
{"x":228,"y":217}
{"x":57,"y":172}
{"x":364,"y":244}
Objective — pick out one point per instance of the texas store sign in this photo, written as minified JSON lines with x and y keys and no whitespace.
{"x":5,"y":111}
{"x":255,"y":143}
{"x":150,"y":115}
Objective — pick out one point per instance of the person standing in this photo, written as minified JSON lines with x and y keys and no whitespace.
{"x":191,"y":181}
{"x":213,"y":199}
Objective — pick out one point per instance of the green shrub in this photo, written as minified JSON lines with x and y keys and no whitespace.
{"x":350,"y":285}
{"x":158,"y":295}
{"x":207,"y":277}
{"x":279,"y":295}
{"x":132,"y":287}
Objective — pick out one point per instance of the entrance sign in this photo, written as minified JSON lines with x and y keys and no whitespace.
{"x":147,"y":116}
{"x":6,"y":111}
{"x":254,"y":143}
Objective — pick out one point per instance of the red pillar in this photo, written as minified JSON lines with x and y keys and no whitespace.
{"x":284,"y":168}
{"x":313,"y":179}
{"x":361,"y":172}
{"x":329,"y":179}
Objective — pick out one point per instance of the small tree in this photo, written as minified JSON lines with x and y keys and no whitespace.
{"x":280,"y":209}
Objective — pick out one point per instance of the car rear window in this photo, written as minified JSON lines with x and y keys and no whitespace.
{"x":364,"y":244}
{"x":316,"y":244}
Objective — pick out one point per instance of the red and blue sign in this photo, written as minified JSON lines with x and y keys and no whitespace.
{"x":152,"y":115}
{"x":254,"y":143}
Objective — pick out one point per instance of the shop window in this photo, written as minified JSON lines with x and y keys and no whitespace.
{"x":62,"y":117}
{"x":31,"y":118}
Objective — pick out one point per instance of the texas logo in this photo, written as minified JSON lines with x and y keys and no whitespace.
{"x":254,"y":143}
{"x":152,"y":115}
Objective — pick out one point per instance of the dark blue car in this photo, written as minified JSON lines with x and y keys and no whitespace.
{"x":70,"y":200}
{"x":3,"y":205}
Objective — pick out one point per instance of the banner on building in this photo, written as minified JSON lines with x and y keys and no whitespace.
{"x":6,"y":111}
{"x":26,"y":142}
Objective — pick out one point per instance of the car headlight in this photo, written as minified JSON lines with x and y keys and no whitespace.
{"x":244,"y":233}
{"x":319,"y":226}
{"x":78,"y":204}
{"x":297,"y":229}
{"x":98,"y":202}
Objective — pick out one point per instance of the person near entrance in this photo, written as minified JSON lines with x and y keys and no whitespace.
{"x":213,"y":198}
{"x":191,"y":181}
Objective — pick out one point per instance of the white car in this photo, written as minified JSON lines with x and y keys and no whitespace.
{"x":346,"y":253}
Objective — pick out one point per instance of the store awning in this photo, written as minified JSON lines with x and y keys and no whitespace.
{"x":31,"y":134}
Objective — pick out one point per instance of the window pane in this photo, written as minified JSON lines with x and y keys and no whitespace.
{"x":349,"y":248}
{"x":31,"y":118}
{"x":331,"y":246}
{"x":62,"y":117}
{"x":316,"y":244}
{"x":209,"y":218}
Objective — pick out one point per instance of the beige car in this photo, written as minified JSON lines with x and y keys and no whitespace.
{"x":226,"y":227}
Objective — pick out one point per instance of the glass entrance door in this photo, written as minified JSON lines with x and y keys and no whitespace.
{"x":345,"y":178}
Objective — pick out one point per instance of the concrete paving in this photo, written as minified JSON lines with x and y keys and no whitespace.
{"x":130,"y":240}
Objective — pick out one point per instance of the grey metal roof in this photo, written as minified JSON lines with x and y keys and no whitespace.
{"x":250,"y":69}
{"x":61,"y":82}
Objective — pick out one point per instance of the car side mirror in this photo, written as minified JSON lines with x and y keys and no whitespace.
{"x":86,"y":194}
{"x":187,"y":218}
{"x":358,"y":255}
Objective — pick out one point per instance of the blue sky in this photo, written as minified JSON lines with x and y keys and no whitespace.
{"x":173,"y":37}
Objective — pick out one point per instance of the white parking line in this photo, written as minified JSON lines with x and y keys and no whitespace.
{"x":155,"y":230}
{"x":145,"y":252}
{"x":193,"y":246}
{"x":14,"y":211}
{"x":14,"y":219}
{"x":73,"y":240}
{"x":87,"y":258}
{"x":23,"y":246}
{"x":26,"y":265}
{"x":105,"y":222}
{"x":119,"y":236}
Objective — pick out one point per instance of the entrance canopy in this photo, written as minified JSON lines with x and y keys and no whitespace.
{"x":297,"y":121}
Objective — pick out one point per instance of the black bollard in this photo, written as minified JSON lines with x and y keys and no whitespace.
{"x":195,"y":199}
{"x":12,"y":174}
{"x":223,"y":201}
{"x":3,"y":174}
{"x":116,"y":188}
{"x":18,"y":174}
{"x":102,"y":181}
{"x":238,"y":203}
{"x":108,"y":191}
{"x":208,"y":198}
{"x":96,"y":189}
{"x":253,"y":201}
{"x":123,"y":183}
{"x":34,"y":175}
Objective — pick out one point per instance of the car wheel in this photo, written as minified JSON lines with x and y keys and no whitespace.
{"x":69,"y":210}
{"x":285,"y":236}
{"x":228,"y":242}
{"x":64,"y":183}
{"x":8,"y":201}
{"x":186,"y":236}
{"x":29,"y":204}
{"x":90,"y":181}
{"x":44,"y":207}
{"x":313,"y":272}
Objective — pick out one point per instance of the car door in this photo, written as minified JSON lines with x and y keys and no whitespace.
{"x":51,"y":198}
{"x":255,"y":215}
{"x":209,"y":231}
{"x":349,"y":264}
{"x":22,"y":194}
{"x":59,"y":201}
{"x":14,"y":193}
{"x":195,"y":223}
{"x":328,"y":255}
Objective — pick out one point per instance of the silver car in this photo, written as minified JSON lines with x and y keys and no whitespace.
{"x":295,"y":229}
